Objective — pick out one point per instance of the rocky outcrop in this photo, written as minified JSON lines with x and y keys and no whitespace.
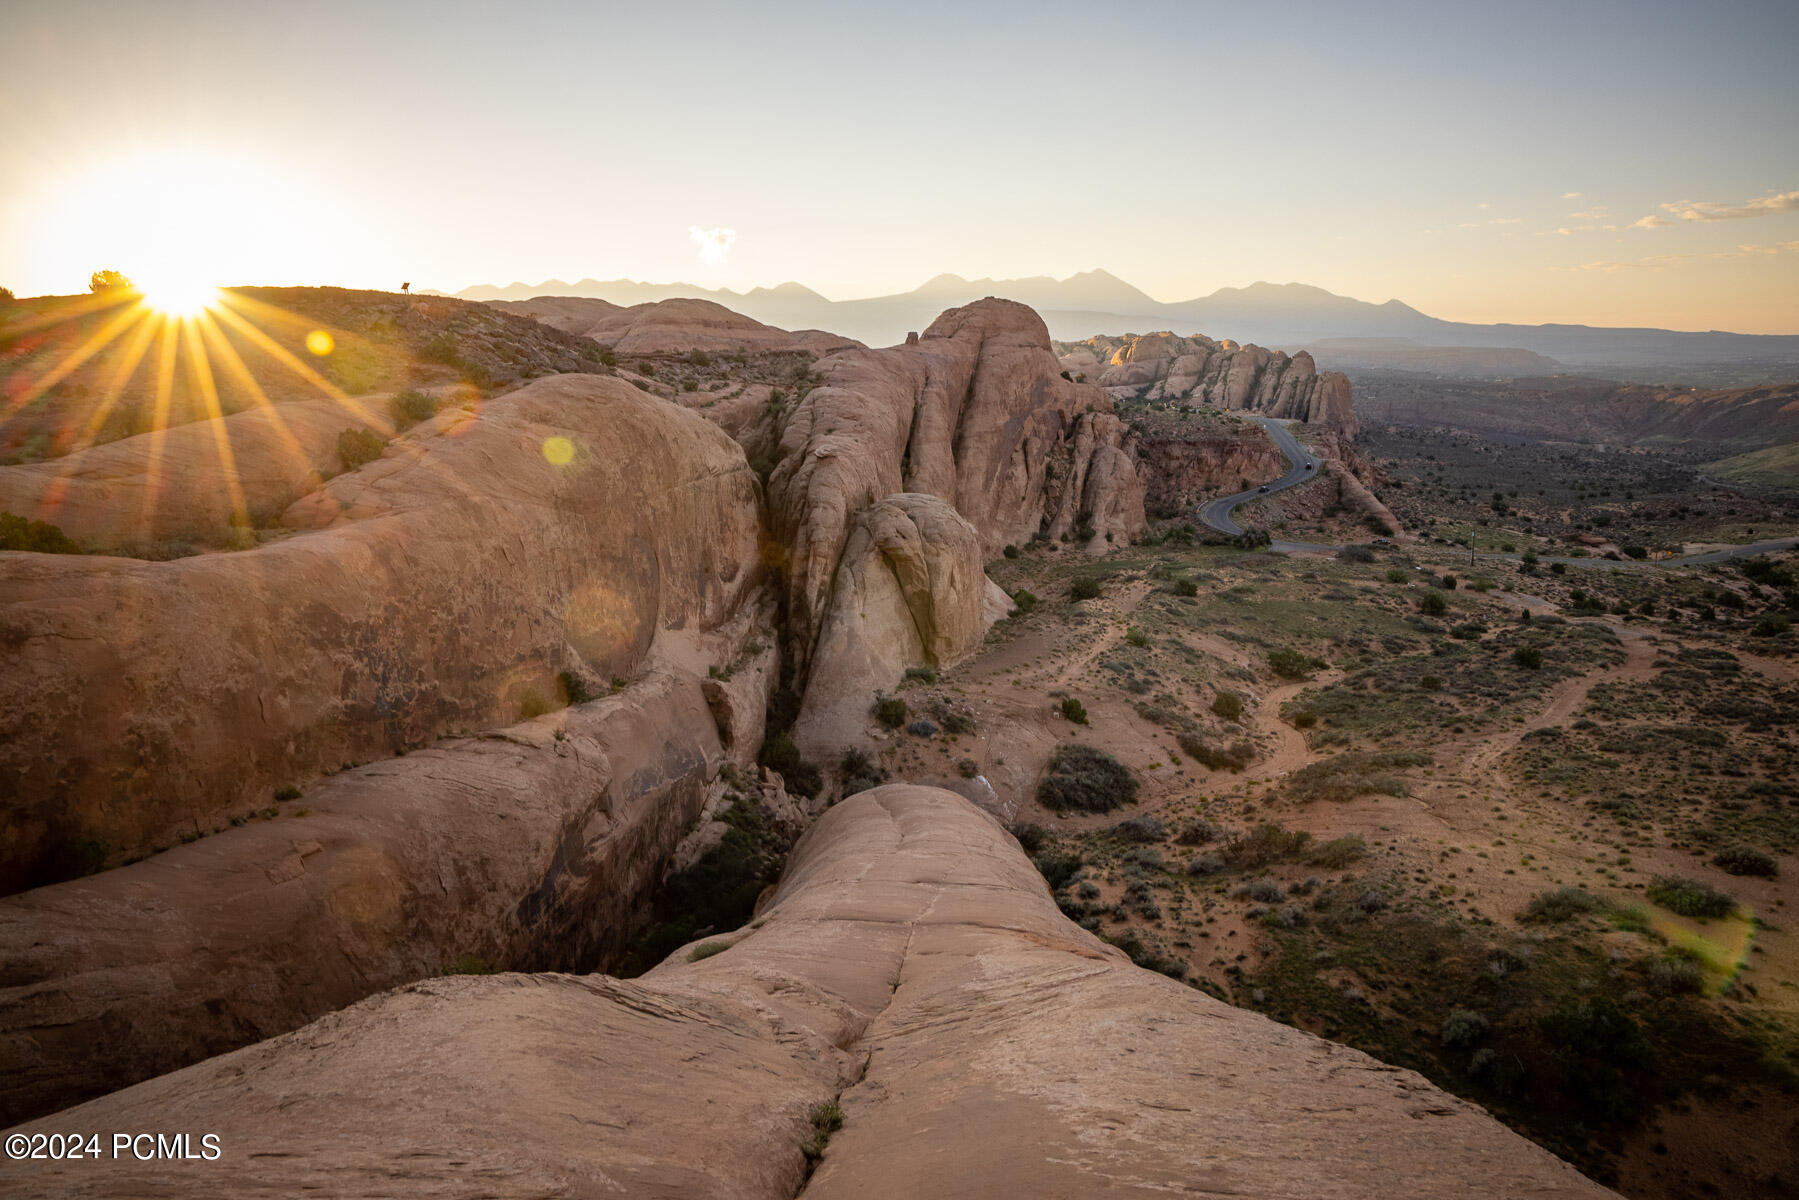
{"x":910,"y":591}
{"x":1161,"y":366}
{"x":567,"y":527}
{"x":671,"y":327}
{"x":912,"y":967}
{"x":975,"y":412}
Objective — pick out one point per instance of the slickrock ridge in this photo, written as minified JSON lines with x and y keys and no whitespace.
{"x":911,"y":965}
{"x":670,"y":326}
{"x":112,"y":495}
{"x":975,"y":412}
{"x":443,"y":587}
{"x":1161,"y":366}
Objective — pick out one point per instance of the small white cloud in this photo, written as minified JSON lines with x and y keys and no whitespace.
{"x":1761,"y":206}
{"x":1651,"y":222}
{"x":714,"y":243}
{"x":1483,"y":205}
{"x":1573,"y":195}
{"x":1565,"y":231}
{"x":1506,"y":221}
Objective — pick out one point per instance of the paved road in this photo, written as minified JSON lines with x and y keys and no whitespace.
{"x":1217,"y":515}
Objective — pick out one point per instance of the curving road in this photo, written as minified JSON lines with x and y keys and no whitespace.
{"x":1216,"y":514}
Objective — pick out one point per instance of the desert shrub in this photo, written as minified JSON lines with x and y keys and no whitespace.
{"x":1690,"y":897}
{"x":1195,"y":831}
{"x":1288,"y":663}
{"x":1025,"y":599}
{"x":107,"y":281}
{"x":1339,"y":852}
{"x":1011,"y":551}
{"x":779,"y":753}
{"x":707,"y":950}
{"x":1139,"y":829}
{"x":1561,"y":904}
{"x":1431,"y":683}
{"x":1058,"y":867}
{"x":859,"y":771}
{"x":1356,"y":554}
{"x":1186,"y":587}
{"x":1136,"y":637}
{"x":1074,"y":710}
{"x":1228,"y":705}
{"x":41,"y":537}
{"x":1346,"y":776}
{"x":1304,"y":719}
{"x":1462,"y":1028}
{"x":1204,"y":865}
{"x":411,"y":407}
{"x":1087,"y":587}
{"x":1528,"y":657}
{"x":922,"y":728}
{"x":699,"y":358}
{"x":1745,"y":860}
{"x":1031,"y":838}
{"x":967,"y":768}
{"x":287,"y":792}
{"x":956,"y":722}
{"x":826,"y":1118}
{"x":889,"y":711}
{"x":1395,"y":575}
{"x":468,"y":964}
{"x":1086,"y":779}
{"x":1675,"y":974}
{"x":6,"y":295}
{"x":1235,"y":757}
{"x":1264,"y":844}
{"x":1772,"y":625}
{"x":442,"y":348}
{"x":574,"y":687}
{"x":358,"y":447}
{"x":1432,"y":604}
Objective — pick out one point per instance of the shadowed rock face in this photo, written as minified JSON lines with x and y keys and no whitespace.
{"x":975,"y":412}
{"x":1161,"y":366}
{"x":441,"y":587}
{"x":912,"y":966}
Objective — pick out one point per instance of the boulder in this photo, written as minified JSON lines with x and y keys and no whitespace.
{"x":910,"y":592}
{"x":911,"y":968}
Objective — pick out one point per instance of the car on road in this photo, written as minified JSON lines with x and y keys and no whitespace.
{"x":1382,"y":542}
{"x":1263,"y":488}
{"x":1309,"y":466}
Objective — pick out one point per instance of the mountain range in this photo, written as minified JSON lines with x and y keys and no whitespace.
{"x":1289,"y":316}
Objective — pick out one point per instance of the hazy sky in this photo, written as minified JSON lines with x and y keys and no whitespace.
{"x":1611,"y":163}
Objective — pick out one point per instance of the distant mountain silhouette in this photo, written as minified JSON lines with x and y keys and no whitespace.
{"x":1289,"y":316}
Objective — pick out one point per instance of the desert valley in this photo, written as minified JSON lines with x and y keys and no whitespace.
{"x":1270,"y":673}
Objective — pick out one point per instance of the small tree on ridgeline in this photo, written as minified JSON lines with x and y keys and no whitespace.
{"x":107,"y":281}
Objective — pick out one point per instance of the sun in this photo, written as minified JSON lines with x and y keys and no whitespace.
{"x":174,"y":294}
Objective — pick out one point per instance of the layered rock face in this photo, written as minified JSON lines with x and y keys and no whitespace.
{"x":974,"y":412}
{"x":1161,"y":366}
{"x":911,"y":966}
{"x":564,"y":527}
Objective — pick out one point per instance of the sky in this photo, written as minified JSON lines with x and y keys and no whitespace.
{"x":1602,"y":163}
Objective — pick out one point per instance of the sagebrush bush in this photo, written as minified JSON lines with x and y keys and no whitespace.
{"x":1562,"y":904}
{"x":1086,"y":779}
{"x":1746,"y":860}
{"x":1087,"y":587}
{"x":1074,"y":710}
{"x":1228,"y":705}
{"x":890,"y":711}
{"x":1690,"y":897}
